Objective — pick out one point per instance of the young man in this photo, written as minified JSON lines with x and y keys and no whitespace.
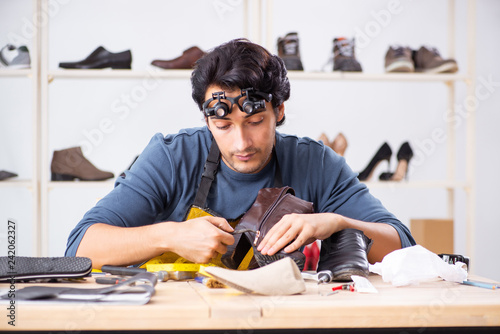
{"x":241,"y":89}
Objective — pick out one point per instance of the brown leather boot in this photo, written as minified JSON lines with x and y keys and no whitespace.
{"x":185,"y":61}
{"x":269,"y":207}
{"x":288,"y":50}
{"x":70,"y":164}
{"x":344,"y":58}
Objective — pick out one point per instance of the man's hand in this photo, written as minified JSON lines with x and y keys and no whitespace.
{"x":200,"y":239}
{"x":302,"y":229}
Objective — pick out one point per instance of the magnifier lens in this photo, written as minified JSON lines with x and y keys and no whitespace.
{"x":248,"y":108}
{"x":220,"y":112}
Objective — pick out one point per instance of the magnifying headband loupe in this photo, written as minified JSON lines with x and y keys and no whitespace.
{"x":249,"y":101}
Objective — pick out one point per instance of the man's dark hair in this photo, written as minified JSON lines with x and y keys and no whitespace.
{"x":240,"y":63}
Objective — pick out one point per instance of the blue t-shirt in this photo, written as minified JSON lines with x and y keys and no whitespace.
{"x":162,"y":183}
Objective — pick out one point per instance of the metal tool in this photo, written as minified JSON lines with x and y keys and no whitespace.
{"x":110,"y":280}
{"x":162,"y":275}
{"x":324,"y":276}
{"x":122,"y":271}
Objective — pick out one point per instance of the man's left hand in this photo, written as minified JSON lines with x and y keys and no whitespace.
{"x":300,"y":229}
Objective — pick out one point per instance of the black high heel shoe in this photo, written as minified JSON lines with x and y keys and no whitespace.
{"x":383,"y":153}
{"x":405,"y":153}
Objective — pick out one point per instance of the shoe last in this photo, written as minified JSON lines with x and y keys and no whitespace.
{"x":278,"y":278}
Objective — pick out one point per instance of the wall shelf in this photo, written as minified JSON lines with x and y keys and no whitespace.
{"x":417,"y":184}
{"x":354,"y":76}
{"x":119,"y":74}
{"x":4,"y":72}
{"x":293,"y":75}
{"x":17,"y":184}
{"x":80,"y":184}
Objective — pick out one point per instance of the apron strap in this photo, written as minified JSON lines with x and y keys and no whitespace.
{"x":278,"y":181}
{"x":208,"y":175}
{"x":210,"y":170}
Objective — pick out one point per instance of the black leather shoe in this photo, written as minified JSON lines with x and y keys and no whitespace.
{"x":102,"y":58}
{"x":6,"y":175}
{"x":345,"y":254}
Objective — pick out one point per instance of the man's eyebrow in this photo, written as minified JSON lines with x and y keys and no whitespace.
{"x":216,"y":118}
{"x":253,"y":114}
{"x":228,"y":119}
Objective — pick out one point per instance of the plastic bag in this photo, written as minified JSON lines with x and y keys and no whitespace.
{"x":415,"y":264}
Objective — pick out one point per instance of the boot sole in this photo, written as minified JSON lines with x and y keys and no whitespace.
{"x":264,"y":260}
{"x":29,"y":268}
{"x":67,"y":177}
{"x":344,"y":274}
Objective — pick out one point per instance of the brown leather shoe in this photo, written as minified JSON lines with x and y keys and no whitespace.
{"x":70,"y":164}
{"x":428,"y":60}
{"x":185,"y":61}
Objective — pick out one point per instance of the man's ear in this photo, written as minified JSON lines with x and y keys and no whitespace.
{"x":281,"y":112}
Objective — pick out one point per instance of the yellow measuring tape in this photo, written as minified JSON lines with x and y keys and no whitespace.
{"x":170,"y":261}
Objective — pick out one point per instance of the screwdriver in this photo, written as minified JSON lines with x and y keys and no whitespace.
{"x":162,"y":275}
{"x":344,"y":287}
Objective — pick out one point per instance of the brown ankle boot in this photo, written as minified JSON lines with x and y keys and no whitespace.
{"x":268,"y":209}
{"x":70,"y":164}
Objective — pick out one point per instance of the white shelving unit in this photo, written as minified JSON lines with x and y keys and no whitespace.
{"x":451,"y":184}
{"x":255,"y":29}
{"x":32,"y":74}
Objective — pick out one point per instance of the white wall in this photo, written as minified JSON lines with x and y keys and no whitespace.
{"x":368,"y":113}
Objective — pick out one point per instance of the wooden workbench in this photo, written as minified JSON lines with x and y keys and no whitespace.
{"x":190,"y":305}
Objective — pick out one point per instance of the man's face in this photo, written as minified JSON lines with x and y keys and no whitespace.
{"x":245,"y":141}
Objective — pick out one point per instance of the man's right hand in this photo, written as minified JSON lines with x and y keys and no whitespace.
{"x":198,"y":240}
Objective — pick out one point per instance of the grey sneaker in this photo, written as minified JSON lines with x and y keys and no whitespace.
{"x":399,"y":59}
{"x":288,"y":50}
{"x":14,"y":58}
{"x":344,"y":58}
{"x":429,"y":60}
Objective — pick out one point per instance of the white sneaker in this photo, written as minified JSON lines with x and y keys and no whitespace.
{"x":14,"y":58}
